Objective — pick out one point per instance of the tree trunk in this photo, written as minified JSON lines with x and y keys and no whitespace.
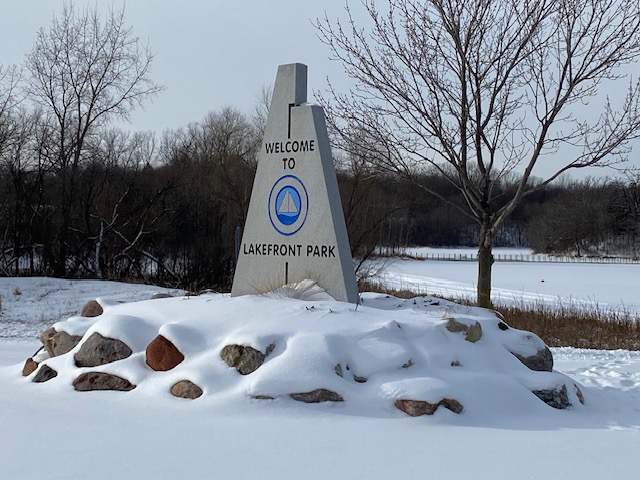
{"x":485,"y":263}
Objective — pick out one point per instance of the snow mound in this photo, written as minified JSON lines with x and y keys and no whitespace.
{"x":371,"y":359}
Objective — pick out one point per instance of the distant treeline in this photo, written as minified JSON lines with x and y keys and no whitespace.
{"x":165,"y":209}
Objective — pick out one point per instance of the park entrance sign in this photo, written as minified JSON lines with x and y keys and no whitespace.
{"x":295,"y":227}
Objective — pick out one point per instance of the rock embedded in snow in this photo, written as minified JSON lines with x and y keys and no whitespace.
{"x":579,"y":394}
{"x":162,"y":355}
{"x":58,"y":343}
{"x":90,"y":381}
{"x":555,"y":397}
{"x":317,"y":396}
{"x":472,"y":332}
{"x":186,"y":389}
{"x":541,"y":361}
{"x":417,"y":408}
{"x":244,"y":359}
{"x":98,"y":350}
{"x":91,"y":309}
{"x":45,"y":374}
{"x":30,"y":366}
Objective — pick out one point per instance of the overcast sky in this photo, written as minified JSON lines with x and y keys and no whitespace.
{"x":208,"y":53}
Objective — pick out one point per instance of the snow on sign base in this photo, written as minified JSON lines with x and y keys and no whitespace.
{"x":295,"y":227}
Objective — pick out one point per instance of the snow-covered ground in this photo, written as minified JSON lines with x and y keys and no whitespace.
{"x":604,"y":286}
{"x":50,"y":431}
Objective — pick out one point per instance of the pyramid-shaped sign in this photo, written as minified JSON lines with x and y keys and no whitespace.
{"x":295,"y":227}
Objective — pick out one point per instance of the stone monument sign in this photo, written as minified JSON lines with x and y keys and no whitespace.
{"x":295,"y":227}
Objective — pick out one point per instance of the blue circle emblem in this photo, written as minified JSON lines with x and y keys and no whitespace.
{"x":288,"y":205}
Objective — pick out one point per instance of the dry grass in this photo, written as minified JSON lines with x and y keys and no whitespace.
{"x":577,"y":327}
{"x":563,"y":326}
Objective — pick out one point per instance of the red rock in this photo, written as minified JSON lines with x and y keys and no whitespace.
{"x":162,"y":355}
{"x":30,"y":366}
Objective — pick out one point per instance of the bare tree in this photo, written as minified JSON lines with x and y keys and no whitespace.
{"x":478,"y":89}
{"x":84,"y":71}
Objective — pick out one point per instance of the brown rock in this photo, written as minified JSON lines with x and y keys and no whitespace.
{"x":360,"y":379}
{"x":451,"y":404}
{"x":58,"y":343}
{"x":186,"y":389}
{"x":262,"y":397}
{"x":91,"y":309}
{"x":244,"y":359}
{"x":415,"y":408}
{"x":472,"y":333}
{"x":30,"y":366}
{"x":162,"y":355}
{"x":317,"y":396}
{"x":98,"y":350}
{"x":90,"y":381}
{"x":45,"y":374}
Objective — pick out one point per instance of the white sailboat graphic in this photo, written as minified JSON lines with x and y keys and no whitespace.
{"x":288,"y":206}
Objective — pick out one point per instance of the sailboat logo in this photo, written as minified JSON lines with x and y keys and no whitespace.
{"x":288,"y":205}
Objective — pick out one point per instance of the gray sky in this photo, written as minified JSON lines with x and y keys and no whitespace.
{"x":208,"y":53}
{"x":211,"y":53}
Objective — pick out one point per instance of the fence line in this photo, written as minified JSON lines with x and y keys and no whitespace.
{"x":473,"y":257}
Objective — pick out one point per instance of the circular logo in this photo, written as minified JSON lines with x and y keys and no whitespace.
{"x":288,"y":205}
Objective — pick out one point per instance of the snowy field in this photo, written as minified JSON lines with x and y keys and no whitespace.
{"x":603,"y":286}
{"x":49,"y":431}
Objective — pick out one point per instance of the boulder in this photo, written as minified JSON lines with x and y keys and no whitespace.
{"x":58,"y":343}
{"x":244,"y":359}
{"x":91,"y":309}
{"x":30,"y":366}
{"x":98,"y":350}
{"x":472,"y":333}
{"x":541,"y":361}
{"x":186,"y":389}
{"x":317,"y":396}
{"x":89,"y":381}
{"x":162,"y":355}
{"x":45,"y":374}
{"x":416,"y":408}
{"x":556,"y":397}
{"x":579,"y":394}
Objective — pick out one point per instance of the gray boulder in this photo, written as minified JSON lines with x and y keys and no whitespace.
{"x":101,"y":381}
{"x":98,"y":350}
{"x":58,"y":343}
{"x":317,"y":396}
{"x":244,"y":359}
{"x":556,"y":397}
{"x":541,"y":361}
{"x":45,"y":374}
